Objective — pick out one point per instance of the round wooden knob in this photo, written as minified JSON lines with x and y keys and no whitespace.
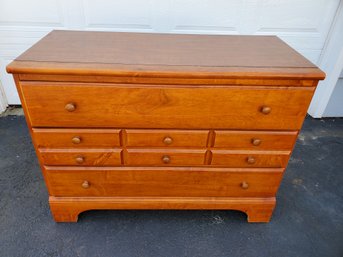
{"x":256,"y":141}
{"x":167,"y":140}
{"x":79,"y":159}
{"x":166,"y":159}
{"x":244,"y":185}
{"x":85,"y":184}
{"x":70,"y":107}
{"x":251,"y":160}
{"x":76,"y":140}
{"x":266,"y":109}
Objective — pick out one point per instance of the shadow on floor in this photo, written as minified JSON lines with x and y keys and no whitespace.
{"x":308,"y":219}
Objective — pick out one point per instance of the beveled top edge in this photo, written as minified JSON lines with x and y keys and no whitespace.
{"x":45,"y":68}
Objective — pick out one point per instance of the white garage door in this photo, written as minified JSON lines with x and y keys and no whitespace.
{"x":304,"y":24}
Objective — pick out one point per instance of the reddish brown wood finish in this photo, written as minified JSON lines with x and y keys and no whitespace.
{"x":159,"y":181}
{"x":172,"y":56}
{"x":67,"y":209}
{"x":109,"y":105}
{"x":262,"y":159}
{"x":81,"y":157}
{"x":203,"y":80}
{"x":147,"y":121}
{"x":53,"y":138}
{"x":166,"y":138}
{"x":245,"y":140}
{"x":155,"y":157}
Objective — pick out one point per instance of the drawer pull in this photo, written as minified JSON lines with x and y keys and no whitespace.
{"x":76,"y":140}
{"x":244,"y":185}
{"x":166,"y":159}
{"x":70,"y":107}
{"x":79,"y":159}
{"x":266,"y":109}
{"x":256,"y":141}
{"x":85,"y":184}
{"x":251,"y":160}
{"x":167,"y":140}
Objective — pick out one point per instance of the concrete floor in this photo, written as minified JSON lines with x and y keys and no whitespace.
{"x":308,"y":220}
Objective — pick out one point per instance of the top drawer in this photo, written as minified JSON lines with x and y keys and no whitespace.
{"x":132,"y":106}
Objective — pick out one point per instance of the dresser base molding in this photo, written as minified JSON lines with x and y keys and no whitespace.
{"x":67,"y":209}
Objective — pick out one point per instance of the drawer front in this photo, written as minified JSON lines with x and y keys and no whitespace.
{"x":136,"y":106}
{"x":165,"y":157}
{"x":255,"y":140}
{"x":81,"y":157}
{"x":262,"y":159}
{"x":166,"y":138}
{"x":51,"y":138}
{"x":183,"y":182}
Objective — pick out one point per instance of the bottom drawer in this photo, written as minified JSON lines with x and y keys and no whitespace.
{"x":167,"y":181}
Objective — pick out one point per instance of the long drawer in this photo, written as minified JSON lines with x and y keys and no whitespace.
{"x":130,"y":181}
{"x":60,"y":104}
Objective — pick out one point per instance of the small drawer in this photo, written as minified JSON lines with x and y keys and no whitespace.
{"x":165,"y":157}
{"x":261,"y":159}
{"x":166,"y":138}
{"x":255,"y":140}
{"x":81,"y":157}
{"x":54,"y":138}
{"x":162,"y":181}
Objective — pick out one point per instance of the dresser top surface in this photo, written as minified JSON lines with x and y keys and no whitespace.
{"x":140,"y":54}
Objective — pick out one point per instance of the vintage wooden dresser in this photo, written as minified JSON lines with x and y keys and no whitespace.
{"x":160,"y":121}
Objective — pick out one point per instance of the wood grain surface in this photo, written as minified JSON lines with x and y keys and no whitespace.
{"x":162,"y":121}
{"x":141,"y":54}
{"x":61,"y":137}
{"x":262,"y":159}
{"x":149,"y":181}
{"x":243,"y":140}
{"x":90,"y":157}
{"x":161,"y":138}
{"x":67,"y":209}
{"x":177,"y":157}
{"x":134,"y":106}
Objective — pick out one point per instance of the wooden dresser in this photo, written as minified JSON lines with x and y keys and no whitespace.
{"x":160,"y":121}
